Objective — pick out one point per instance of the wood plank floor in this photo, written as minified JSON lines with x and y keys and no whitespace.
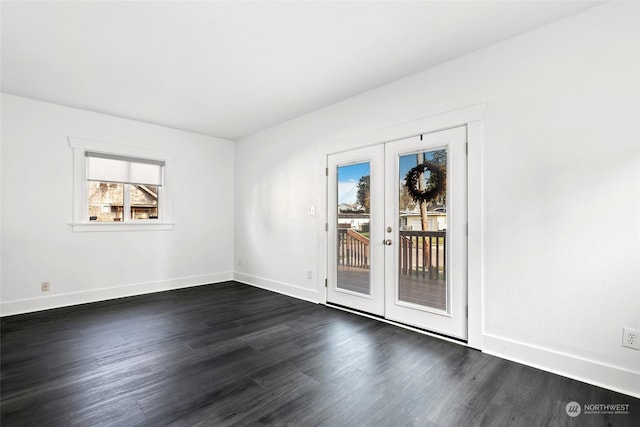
{"x":231,"y":354}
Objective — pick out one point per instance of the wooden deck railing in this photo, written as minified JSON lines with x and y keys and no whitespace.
{"x":422,"y":253}
{"x":353,"y":249}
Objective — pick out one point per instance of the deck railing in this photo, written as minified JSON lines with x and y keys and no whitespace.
{"x":353,"y":249}
{"x":422,"y":253}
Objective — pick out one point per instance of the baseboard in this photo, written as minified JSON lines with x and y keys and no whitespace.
{"x":295,"y":291}
{"x":28,"y":305}
{"x":570,"y":366}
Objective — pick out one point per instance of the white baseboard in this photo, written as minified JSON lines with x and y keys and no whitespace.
{"x":8,"y":308}
{"x":570,"y":366}
{"x":299,"y":292}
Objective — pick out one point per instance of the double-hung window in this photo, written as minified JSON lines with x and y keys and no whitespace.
{"x":123,"y":188}
{"x":119,"y":188}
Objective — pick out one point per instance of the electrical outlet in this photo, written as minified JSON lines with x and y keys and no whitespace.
{"x":631,"y":338}
{"x":309,"y":274}
{"x":45,"y":286}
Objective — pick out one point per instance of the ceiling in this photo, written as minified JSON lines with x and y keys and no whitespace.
{"x":230,"y":69}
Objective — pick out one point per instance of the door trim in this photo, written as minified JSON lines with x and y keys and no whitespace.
{"x":471,"y":116}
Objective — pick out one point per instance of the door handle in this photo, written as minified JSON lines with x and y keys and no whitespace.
{"x":387,"y":242}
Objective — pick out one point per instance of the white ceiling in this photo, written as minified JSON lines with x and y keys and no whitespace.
{"x":230,"y":69}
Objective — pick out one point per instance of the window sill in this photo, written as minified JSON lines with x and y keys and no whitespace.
{"x":120,"y":226}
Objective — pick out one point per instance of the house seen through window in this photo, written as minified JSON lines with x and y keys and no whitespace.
{"x":121,"y":188}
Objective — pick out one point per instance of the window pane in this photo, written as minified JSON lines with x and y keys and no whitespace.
{"x":144,"y":201}
{"x":145,"y":173}
{"x":105,"y":201}
{"x":107,"y":170}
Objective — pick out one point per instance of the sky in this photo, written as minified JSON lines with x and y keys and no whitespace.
{"x":348,"y":177}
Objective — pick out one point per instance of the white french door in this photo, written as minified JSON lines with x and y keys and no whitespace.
{"x":356,"y":254}
{"x":397,"y":231}
{"x":425,"y":266}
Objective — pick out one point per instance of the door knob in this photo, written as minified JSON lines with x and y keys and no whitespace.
{"x":387,"y":242}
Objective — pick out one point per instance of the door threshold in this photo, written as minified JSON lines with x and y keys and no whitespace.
{"x":399,"y":324}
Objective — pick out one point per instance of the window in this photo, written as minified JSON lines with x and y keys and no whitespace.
{"x":119,"y":188}
{"x":122,"y":188}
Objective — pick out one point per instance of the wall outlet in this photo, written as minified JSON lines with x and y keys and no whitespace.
{"x":45,"y":286}
{"x":631,"y":338}
{"x":309,"y":274}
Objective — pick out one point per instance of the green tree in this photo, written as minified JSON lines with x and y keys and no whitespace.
{"x":364,"y":192}
{"x":406,"y":201}
{"x":440,"y":157}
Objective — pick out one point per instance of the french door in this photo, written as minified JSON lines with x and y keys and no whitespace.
{"x":397,"y":231}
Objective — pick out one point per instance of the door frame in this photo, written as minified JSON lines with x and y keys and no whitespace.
{"x":473,"y":117}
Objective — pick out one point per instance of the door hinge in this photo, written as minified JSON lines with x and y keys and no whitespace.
{"x":326,"y":171}
{"x":466,"y":148}
{"x":466,"y":229}
{"x":326,"y":226}
{"x":467,"y":312}
{"x":326,"y":281}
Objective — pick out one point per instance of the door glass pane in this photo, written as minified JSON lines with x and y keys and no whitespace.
{"x":423,"y":229}
{"x":353,"y":228}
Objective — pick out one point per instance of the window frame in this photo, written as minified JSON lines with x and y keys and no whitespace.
{"x":81,"y":222}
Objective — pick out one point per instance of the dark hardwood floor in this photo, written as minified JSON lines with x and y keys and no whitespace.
{"x":231,"y":354}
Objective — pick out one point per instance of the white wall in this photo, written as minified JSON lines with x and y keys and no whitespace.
{"x":561,"y":152}
{"x":38,"y":243}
